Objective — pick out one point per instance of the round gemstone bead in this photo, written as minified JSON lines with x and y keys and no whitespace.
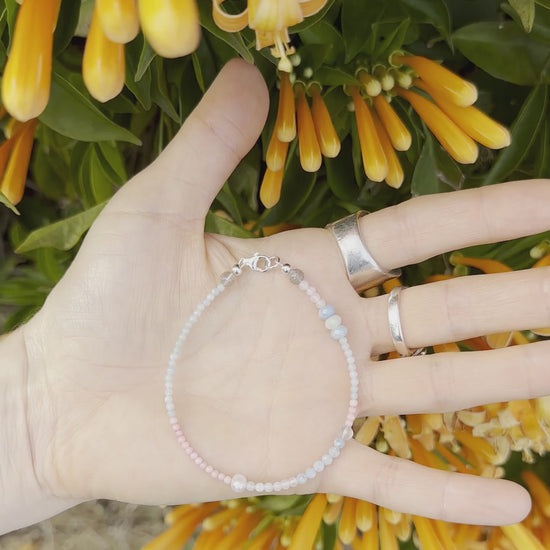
{"x":338,"y":332}
{"x":319,"y":466}
{"x":347,"y":433}
{"x":296,"y":276}
{"x":238,"y":483}
{"x":333,"y":321}
{"x":339,"y":443}
{"x":301,"y":479}
{"x":268,"y":487}
{"x":327,"y":460}
{"x":334,"y":452}
{"x":326,"y":311}
{"x":259,"y":487}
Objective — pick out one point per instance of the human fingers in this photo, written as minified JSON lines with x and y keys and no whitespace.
{"x":184,"y":180}
{"x":405,"y":486}
{"x":462,"y":308}
{"x":452,"y":381}
{"x":423,"y":227}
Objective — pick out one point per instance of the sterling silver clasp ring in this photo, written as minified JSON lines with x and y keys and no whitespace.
{"x":362,"y":269}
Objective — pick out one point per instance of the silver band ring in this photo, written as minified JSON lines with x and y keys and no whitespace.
{"x":396,"y":329}
{"x":362,"y":269}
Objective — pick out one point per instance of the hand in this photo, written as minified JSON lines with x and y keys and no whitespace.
{"x":261,"y":389}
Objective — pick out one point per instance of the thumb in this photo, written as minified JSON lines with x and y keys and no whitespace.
{"x":186,"y":177}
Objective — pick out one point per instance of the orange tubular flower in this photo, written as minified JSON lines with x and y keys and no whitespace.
{"x":119,"y":19}
{"x":473,"y":121}
{"x":171,"y":27}
{"x":445,"y":82}
{"x":271,"y":20}
{"x":309,"y":524}
{"x":310,"y":152}
{"x":455,"y":141}
{"x":27,"y":75}
{"x":326,"y":134}
{"x":19,"y":151}
{"x":103,"y":65}
{"x":395,"y":172}
{"x":374,"y":160}
{"x":275,"y":157}
{"x":399,"y":136}
{"x":285,"y":124}
{"x":270,"y":189}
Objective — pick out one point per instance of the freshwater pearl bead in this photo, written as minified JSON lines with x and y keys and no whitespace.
{"x":333,"y":323}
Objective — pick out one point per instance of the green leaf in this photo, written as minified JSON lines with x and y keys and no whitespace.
{"x":325,"y":45}
{"x":392,"y":41}
{"x":12,"y":7}
{"x":72,"y":114}
{"x":334,"y":76}
{"x":234,"y":40}
{"x":434,"y":12}
{"x":435,"y":171}
{"x":63,"y":234}
{"x":484,"y":43}
{"x":101,"y":183}
{"x":526,"y":11}
{"x":222,"y":226}
{"x":135,"y":65}
{"x":5,"y":201}
{"x":146,"y":57}
{"x":340,"y":176}
{"x":524,"y":131}
{"x":159,"y":91}
{"x":542,"y":162}
{"x":544,"y":3}
{"x":67,"y":22}
{"x":358,"y":16}
{"x":297,"y":186}
{"x":312,"y":19}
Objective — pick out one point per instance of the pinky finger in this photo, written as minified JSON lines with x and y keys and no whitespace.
{"x":404,"y":486}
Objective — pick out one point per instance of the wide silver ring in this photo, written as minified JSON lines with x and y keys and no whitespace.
{"x":362,"y":269}
{"x":396,"y":330}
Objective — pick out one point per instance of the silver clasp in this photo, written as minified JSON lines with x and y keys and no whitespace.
{"x":259,"y":262}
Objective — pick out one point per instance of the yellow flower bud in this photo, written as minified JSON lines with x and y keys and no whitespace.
{"x":395,"y":172}
{"x":309,"y":524}
{"x":103,"y":65}
{"x":275,"y":157}
{"x":456,"y":142}
{"x":15,"y":175}
{"x":270,"y":189}
{"x":27,"y":75}
{"x":398,"y":133}
{"x":119,"y":19}
{"x":310,"y":152}
{"x":171,"y":27}
{"x":453,"y":87}
{"x":326,"y":134}
{"x":285,"y":124}
{"x":374,"y":160}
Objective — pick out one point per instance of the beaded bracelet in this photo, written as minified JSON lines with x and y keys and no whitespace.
{"x":338,"y":331}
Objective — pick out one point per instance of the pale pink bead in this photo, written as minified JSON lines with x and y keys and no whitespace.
{"x":350,"y":418}
{"x":227,"y":480}
{"x":203,"y":465}
{"x":214,"y":474}
{"x":185,"y":445}
{"x":221,"y":476}
{"x":209,"y":469}
{"x":176,"y":427}
{"x":173,"y":420}
{"x":189,"y":450}
{"x":181,"y":440}
{"x":198,"y":460}
{"x":353,"y":403}
{"x":193,"y":455}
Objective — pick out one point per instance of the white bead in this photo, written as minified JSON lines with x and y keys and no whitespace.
{"x":334,"y":452}
{"x":238,"y":483}
{"x":347,"y":433}
{"x":311,"y":290}
{"x":259,"y":487}
{"x":268,"y":487}
{"x":339,"y":332}
{"x":293,"y":482}
{"x":303,"y":285}
{"x":319,"y":466}
{"x":285,"y":484}
{"x":250,"y":486}
{"x":327,"y":460}
{"x":320,"y":303}
{"x":301,"y":479}
{"x":333,"y":321}
{"x":311,"y":473}
{"x":277,"y":486}
{"x":339,"y":443}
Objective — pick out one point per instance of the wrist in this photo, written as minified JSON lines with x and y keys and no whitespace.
{"x":25,"y":497}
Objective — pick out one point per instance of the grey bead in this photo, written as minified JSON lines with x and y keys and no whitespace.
{"x":296,"y":276}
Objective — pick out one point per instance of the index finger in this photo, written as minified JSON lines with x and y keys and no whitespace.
{"x":426,"y":226}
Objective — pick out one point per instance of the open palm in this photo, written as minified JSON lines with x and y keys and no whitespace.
{"x":260,"y":387}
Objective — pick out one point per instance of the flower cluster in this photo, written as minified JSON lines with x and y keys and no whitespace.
{"x":449,"y":114}
{"x":172,"y":29}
